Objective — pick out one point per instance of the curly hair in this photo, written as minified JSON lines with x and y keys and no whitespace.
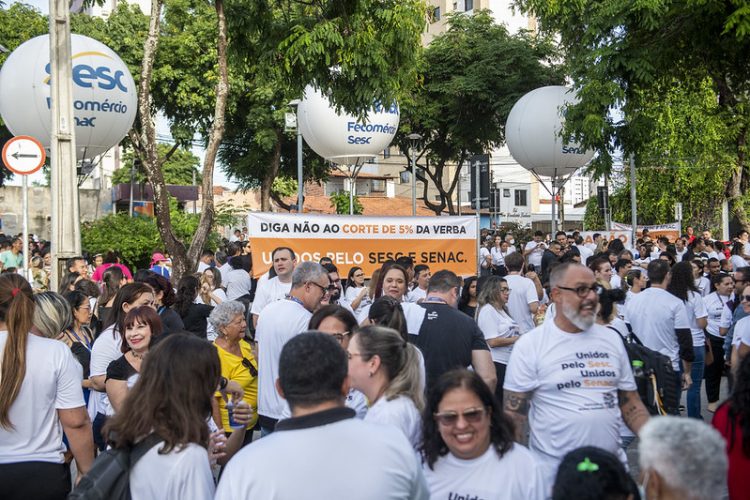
{"x":590,"y":473}
{"x":501,"y":427}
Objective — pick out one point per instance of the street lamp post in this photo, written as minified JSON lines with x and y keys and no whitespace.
{"x":300,"y":186}
{"x":414,"y":140}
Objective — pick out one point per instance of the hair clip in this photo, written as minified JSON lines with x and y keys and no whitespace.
{"x":587,"y":466}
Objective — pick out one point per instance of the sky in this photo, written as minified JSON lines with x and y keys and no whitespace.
{"x":162,"y":129}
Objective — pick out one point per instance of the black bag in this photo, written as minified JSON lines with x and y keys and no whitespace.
{"x":109,"y":477}
{"x":657,"y":382}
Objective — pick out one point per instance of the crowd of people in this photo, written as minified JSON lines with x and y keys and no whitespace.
{"x":409,"y":383}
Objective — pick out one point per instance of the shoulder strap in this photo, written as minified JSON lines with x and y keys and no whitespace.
{"x":140,"y":449}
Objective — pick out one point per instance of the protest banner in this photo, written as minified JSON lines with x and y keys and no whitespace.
{"x":367,"y":242}
{"x":624,"y":231}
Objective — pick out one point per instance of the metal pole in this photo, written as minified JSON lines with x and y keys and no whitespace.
{"x":477,"y":207}
{"x":132,"y":182}
{"x":352,"y":187}
{"x":413,"y":182}
{"x":25,"y":202}
{"x":300,"y":182}
{"x":66,"y":231}
{"x":553,"y":221}
{"x":725,"y":220}
{"x":633,"y":202}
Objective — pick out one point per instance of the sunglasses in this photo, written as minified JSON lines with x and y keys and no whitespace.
{"x":247,"y":364}
{"x":341,"y":336}
{"x":746,"y":298}
{"x":450,"y":418}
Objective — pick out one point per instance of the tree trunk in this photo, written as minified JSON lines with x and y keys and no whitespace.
{"x":738,"y":181}
{"x":214,"y":141}
{"x":183,"y":261}
{"x":266,"y":183}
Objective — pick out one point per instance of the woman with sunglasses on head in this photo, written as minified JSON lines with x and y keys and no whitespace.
{"x":385,"y":367}
{"x":237,"y":364}
{"x":468,"y":444}
{"x":142,"y":326}
{"x":499,"y":329}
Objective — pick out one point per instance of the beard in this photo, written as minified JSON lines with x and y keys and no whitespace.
{"x":580,"y":321}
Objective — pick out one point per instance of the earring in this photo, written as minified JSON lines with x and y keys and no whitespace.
{"x":371,"y":374}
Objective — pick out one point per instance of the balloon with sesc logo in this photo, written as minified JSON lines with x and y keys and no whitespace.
{"x":104,"y":94}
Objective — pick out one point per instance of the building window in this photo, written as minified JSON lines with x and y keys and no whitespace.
{"x":334,"y":186}
{"x":436,"y":15}
{"x":404,"y":178}
{"x":468,"y":5}
{"x":506,"y":193}
{"x":377,"y":186}
{"x":521,"y":198}
{"x":387,"y":153}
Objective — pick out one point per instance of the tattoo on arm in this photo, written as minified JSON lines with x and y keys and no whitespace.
{"x":516,"y":405}
{"x":634,"y":413}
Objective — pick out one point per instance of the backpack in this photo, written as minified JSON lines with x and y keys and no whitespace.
{"x":657,"y":382}
{"x":109,"y":477}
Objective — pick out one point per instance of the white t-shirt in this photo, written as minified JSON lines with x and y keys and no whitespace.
{"x":401,"y":413}
{"x":105,"y":350}
{"x":741,"y":332}
{"x":279,"y":322}
{"x":181,"y":473}
{"x":696,"y":309}
{"x":703,"y":285}
{"x":522,"y":294}
{"x":271,"y":291}
{"x":348,"y":458}
{"x":615,"y":281}
{"x":535,"y":257}
{"x":498,"y":256}
{"x":497,"y":324}
{"x":585,"y":252}
{"x":202,"y":266}
{"x":354,"y":400}
{"x":238,"y":283}
{"x":574,"y":379}
{"x":679,"y":254}
{"x":52,"y":382}
{"x":654,"y":314}
{"x":414,"y":314}
{"x":225,"y":269}
{"x":489,"y":477}
{"x":352,"y":293}
{"x":715,"y":305}
{"x":483,"y":253}
{"x":738,"y":262}
{"x":416,"y":295}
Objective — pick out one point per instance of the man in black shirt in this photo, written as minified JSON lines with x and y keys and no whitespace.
{"x":449,"y":338}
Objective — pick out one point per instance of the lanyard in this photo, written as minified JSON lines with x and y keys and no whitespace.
{"x":85,"y":341}
{"x":295,"y":299}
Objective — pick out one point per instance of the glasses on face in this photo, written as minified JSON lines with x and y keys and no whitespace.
{"x":323,"y":289}
{"x":450,"y":418}
{"x":341,"y":336}
{"x":247,"y":364}
{"x":505,"y":290}
{"x":583,"y":290}
{"x":359,"y":275}
{"x":746,"y":298}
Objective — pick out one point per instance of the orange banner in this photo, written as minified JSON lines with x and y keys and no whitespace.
{"x":366,"y":242}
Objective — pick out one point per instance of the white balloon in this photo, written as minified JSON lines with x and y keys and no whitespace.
{"x":340,"y":138}
{"x":104,"y":94}
{"x":532,"y":133}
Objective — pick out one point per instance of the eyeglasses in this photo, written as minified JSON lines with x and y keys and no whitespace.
{"x":341,"y":336}
{"x":324,"y":289}
{"x":358,"y":275}
{"x":745,"y":298}
{"x":450,"y":418}
{"x":247,"y":364}
{"x":583,"y":290}
{"x":504,"y":290}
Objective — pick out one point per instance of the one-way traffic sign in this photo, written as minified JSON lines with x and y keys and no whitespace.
{"x":23,"y":155}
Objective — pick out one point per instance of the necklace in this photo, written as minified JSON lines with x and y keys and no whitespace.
{"x":136,"y":355}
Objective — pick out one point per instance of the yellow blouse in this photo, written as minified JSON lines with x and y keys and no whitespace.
{"x":233,"y":369}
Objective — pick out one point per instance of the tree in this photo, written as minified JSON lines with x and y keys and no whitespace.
{"x":471,"y":75}
{"x":18,"y":23}
{"x":340,"y":201}
{"x":649,"y":58}
{"x":178,"y":169}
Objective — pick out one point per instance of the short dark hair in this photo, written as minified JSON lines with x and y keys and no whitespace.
{"x":241,"y":262}
{"x":141,"y":315}
{"x":330,"y":268}
{"x":590,"y":472}
{"x":405,"y":261}
{"x":387,"y":311}
{"x":622,"y":263}
{"x":745,"y":273}
{"x":419,"y":268}
{"x":538,"y":233}
{"x":444,"y":281}
{"x":657,"y":271}
{"x":207,"y":253}
{"x":561,"y":232}
{"x":333,"y":311}
{"x":501,"y":427}
{"x":308,"y":384}
{"x":715,"y":280}
{"x":277,"y":249}
{"x":68,"y":263}
{"x":514,"y":262}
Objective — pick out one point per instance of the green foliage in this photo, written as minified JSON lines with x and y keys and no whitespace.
{"x":472,"y":75}
{"x":593,"y":219}
{"x":340,"y":201}
{"x":178,"y":169}
{"x":136,"y":238}
{"x":285,"y":186}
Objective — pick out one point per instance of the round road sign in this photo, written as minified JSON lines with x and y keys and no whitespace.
{"x":23,"y":155}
